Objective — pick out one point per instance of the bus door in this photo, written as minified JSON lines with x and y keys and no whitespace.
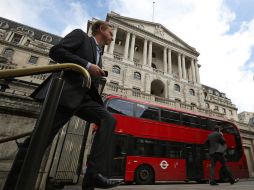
{"x":119,"y":159}
{"x":194,"y":162}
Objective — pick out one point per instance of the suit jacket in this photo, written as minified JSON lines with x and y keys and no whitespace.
{"x":76,"y":47}
{"x":216,"y":143}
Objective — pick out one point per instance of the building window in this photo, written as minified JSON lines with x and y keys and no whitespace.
{"x":193,"y":104}
{"x":178,"y":100}
{"x":230,"y":112}
{"x":46,"y":38}
{"x":4,"y":25}
{"x":153,"y":55}
{"x":192,"y":92}
{"x":224,"y":110}
{"x":137,"y":76}
{"x":136,"y":48}
{"x":216,"y":108}
{"x":154,"y":66}
{"x":136,"y":92}
{"x":207,"y":105}
{"x":116,"y":69}
{"x":119,"y":42}
{"x":177,"y":87}
{"x":205,"y":94}
{"x":216,"y":93}
{"x":114,"y":86}
{"x":8,"y":52}
{"x":27,"y":43}
{"x":16,"y":38}
{"x":33,"y":60}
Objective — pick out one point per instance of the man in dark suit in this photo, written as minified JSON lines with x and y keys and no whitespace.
{"x":217,"y":148}
{"x":77,"y":47}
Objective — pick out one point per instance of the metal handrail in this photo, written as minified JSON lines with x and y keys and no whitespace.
{"x":7,"y":139}
{"x":8,"y":73}
{"x":40,"y":135}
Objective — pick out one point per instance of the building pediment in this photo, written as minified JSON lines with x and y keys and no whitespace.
{"x":154,"y":29}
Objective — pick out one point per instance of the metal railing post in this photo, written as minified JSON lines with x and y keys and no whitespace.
{"x":31,"y":166}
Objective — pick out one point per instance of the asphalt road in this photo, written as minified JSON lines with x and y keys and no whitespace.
{"x":241,"y":185}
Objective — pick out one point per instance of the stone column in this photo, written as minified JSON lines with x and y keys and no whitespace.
{"x":9,"y":35}
{"x":150,"y":49}
{"x":105,"y":48}
{"x":184,"y":67}
{"x":132,"y":47}
{"x":147,"y":84}
{"x":89,"y":33}
{"x":126,"y":46}
{"x":193,"y":71}
{"x":165,"y":59}
{"x":179,"y":66}
{"x":144,"y":51}
{"x":197,"y":72}
{"x":169,"y":62}
{"x":112,"y":45}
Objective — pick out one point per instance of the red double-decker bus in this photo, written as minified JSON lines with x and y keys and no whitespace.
{"x":156,"y":143}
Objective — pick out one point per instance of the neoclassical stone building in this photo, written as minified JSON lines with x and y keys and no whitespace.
{"x":145,"y":61}
{"x":147,"y":58}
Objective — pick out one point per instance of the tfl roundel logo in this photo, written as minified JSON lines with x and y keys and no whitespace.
{"x":164,"y":164}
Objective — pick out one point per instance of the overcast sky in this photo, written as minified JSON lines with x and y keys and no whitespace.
{"x":222,"y":31}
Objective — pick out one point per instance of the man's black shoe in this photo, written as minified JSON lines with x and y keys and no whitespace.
{"x":234,"y":181}
{"x":88,"y":182}
{"x":213,"y":183}
{"x":102,"y":182}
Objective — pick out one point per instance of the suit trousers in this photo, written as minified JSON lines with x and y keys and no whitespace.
{"x":102,"y":148}
{"x":219,"y":157}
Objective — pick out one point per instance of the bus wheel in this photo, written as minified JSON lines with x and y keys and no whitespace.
{"x":144,"y":175}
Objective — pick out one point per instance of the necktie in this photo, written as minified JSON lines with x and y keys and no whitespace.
{"x":98,"y":49}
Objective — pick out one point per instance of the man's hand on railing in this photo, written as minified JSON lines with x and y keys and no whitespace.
{"x":96,"y":71}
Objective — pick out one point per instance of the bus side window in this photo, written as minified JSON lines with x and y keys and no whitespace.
{"x":147,"y":112}
{"x":121,"y":107}
{"x":121,"y":145}
{"x":195,"y":121}
{"x":192,"y":121}
{"x":170,"y":116}
{"x":174,"y":150}
{"x":210,"y":124}
{"x":186,"y":119}
{"x":203,"y":123}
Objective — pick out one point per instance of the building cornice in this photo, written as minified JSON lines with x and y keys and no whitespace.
{"x":22,"y":47}
{"x":193,"y":52}
{"x":225,"y":105}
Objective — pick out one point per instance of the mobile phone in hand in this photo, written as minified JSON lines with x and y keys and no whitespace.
{"x":106,"y":73}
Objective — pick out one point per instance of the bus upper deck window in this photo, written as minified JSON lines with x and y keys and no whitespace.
{"x":147,"y":112}
{"x":121,"y":107}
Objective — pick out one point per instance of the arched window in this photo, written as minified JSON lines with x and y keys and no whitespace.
{"x":192,"y":92}
{"x":8,"y":52}
{"x":224,"y":110}
{"x":137,"y":76}
{"x":177,"y":87}
{"x":46,"y":38}
{"x":116,"y":69}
